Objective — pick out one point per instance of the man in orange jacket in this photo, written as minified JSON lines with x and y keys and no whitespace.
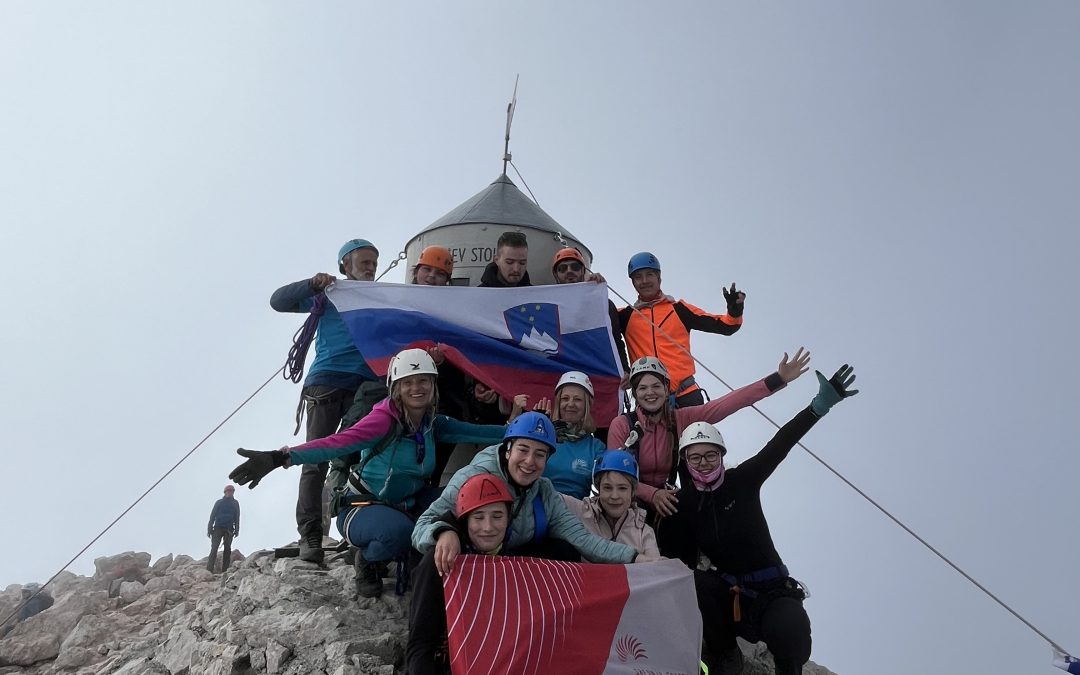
{"x":659,"y":325}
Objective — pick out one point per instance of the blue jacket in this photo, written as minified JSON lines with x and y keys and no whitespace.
{"x":570,"y":467}
{"x":562,"y":524}
{"x":338,"y":363}
{"x":401,"y":468}
{"x":225,"y":514}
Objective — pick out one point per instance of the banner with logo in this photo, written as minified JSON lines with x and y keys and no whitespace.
{"x":529,"y":616}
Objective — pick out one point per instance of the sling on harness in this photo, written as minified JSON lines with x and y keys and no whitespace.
{"x":741,"y":586}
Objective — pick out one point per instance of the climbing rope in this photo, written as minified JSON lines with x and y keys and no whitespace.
{"x":143,"y":495}
{"x":847,"y":482}
{"x":294,"y":363}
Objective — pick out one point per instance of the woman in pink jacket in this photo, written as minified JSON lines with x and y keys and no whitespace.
{"x":611,"y":513}
{"x":657,"y":423}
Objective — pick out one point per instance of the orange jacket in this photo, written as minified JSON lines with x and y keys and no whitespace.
{"x":645,"y":335}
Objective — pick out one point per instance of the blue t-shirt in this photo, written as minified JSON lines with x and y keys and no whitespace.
{"x":570,"y":467}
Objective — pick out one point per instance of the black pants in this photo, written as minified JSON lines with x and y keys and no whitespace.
{"x":325,"y":407}
{"x":778,"y":620}
{"x":427,"y":620}
{"x":219,"y":536}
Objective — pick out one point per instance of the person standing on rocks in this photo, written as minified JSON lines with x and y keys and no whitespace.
{"x":224,"y":525}
{"x":332,"y":380}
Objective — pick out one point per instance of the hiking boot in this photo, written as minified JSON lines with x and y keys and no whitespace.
{"x":368,"y":582}
{"x":311,"y":547}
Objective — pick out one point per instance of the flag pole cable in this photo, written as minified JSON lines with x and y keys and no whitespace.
{"x":144,"y":494}
{"x":845,"y":480}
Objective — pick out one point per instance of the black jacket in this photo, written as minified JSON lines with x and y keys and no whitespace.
{"x":490,"y":278}
{"x":728,"y":525}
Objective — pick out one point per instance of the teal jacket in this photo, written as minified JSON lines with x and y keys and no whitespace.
{"x":400,"y":469}
{"x":562,"y":524}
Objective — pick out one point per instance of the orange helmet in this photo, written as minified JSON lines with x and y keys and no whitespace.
{"x":567,"y":254}
{"x":481,"y":490}
{"x":438,"y":257}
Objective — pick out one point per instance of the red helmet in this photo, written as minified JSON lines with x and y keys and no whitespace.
{"x":438,"y":257}
{"x":481,"y":490}
{"x":567,"y":254}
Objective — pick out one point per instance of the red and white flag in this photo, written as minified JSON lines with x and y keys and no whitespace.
{"x":529,"y":616}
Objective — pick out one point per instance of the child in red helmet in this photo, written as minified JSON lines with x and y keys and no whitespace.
{"x":481,"y":518}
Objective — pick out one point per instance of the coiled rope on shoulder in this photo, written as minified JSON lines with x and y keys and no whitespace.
{"x":294,"y":363}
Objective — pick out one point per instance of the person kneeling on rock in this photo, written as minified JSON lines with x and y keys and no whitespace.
{"x":389,"y":486}
{"x":481,"y":519}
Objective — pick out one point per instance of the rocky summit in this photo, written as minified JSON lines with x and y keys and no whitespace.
{"x":260,"y":616}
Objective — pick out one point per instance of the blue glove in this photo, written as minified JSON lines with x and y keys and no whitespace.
{"x":833,"y":390}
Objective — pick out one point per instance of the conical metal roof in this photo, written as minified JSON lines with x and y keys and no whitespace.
{"x":500,"y":203}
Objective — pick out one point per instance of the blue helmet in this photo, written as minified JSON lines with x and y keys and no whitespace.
{"x":350,"y":246}
{"x":534,"y":426}
{"x":642,"y":261}
{"x":615,"y":460}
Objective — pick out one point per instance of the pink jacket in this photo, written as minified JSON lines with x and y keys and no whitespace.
{"x":655,"y":451}
{"x":630,"y":530}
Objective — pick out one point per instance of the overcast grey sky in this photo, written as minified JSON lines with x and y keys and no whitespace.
{"x":894,"y":184}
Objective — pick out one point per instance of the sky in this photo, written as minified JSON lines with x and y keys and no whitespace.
{"x":892,"y":183}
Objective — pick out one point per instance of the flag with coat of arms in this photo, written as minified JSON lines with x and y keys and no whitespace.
{"x":514,"y":340}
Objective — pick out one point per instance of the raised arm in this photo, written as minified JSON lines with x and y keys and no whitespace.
{"x":717,"y":409}
{"x":830,"y":392}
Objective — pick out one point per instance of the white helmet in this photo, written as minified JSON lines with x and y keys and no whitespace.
{"x":575,"y":377}
{"x":701,"y":432}
{"x":649,"y":364}
{"x":410,"y":362}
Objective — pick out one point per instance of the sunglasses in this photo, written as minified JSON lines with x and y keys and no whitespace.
{"x":569,"y":267}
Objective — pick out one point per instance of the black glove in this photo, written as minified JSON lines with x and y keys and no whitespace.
{"x":734,"y":298}
{"x":259,"y":464}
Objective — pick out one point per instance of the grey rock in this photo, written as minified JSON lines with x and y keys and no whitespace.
{"x":161,"y":583}
{"x":129,"y":566}
{"x":161,"y":565}
{"x":276,"y":655}
{"x":130,"y":591}
{"x":29,"y":649}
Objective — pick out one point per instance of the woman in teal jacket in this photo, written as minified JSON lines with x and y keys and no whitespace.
{"x":538,"y":514}
{"x":570,"y":469}
{"x":388,"y":487}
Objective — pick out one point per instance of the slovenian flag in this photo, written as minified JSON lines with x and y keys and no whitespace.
{"x":515,"y":340}
{"x":1070,"y":664}
{"x":530,"y":616}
